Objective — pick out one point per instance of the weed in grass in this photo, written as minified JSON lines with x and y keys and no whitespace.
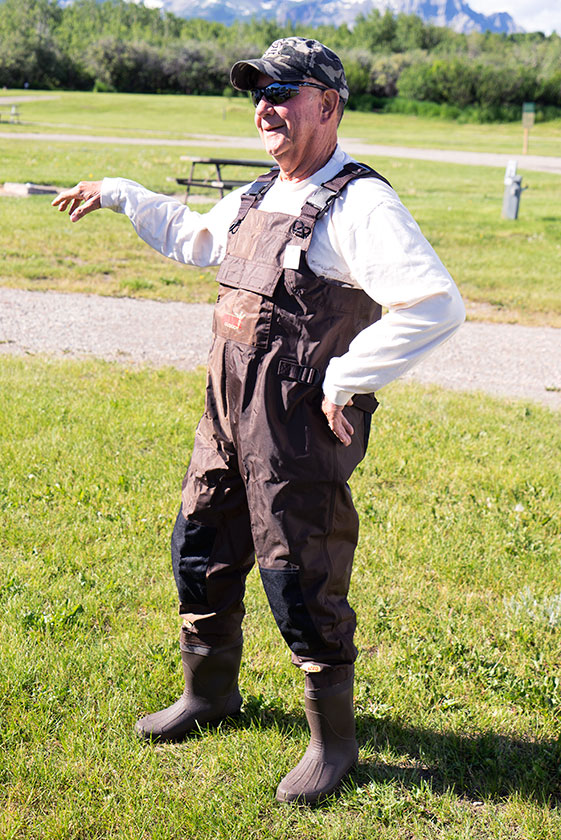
{"x":526,"y":607}
{"x":54,"y":621}
{"x":137,"y":284}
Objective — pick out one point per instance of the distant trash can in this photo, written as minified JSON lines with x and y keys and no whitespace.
{"x":511,"y":197}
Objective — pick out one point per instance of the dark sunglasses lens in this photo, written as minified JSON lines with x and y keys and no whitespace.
{"x":277,"y":94}
{"x":274,"y":93}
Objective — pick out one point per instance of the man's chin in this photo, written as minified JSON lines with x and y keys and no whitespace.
{"x":274,"y":143}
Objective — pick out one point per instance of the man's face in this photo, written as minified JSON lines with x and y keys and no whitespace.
{"x":290,"y":131}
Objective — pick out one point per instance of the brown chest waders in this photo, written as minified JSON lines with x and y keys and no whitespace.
{"x":267,"y":476}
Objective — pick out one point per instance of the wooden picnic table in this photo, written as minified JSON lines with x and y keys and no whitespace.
{"x":220,"y":182}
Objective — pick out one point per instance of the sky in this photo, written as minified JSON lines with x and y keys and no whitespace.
{"x":533,"y":15}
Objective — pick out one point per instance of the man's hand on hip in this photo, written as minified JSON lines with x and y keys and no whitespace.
{"x":81,"y":199}
{"x":338,"y":423}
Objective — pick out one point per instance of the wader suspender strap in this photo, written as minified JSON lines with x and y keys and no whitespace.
{"x":321,"y":200}
{"x":253,"y":194}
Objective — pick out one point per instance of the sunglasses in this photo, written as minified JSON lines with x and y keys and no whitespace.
{"x":278,"y":92}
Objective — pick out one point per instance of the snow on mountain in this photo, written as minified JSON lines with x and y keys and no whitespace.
{"x":455,"y":14}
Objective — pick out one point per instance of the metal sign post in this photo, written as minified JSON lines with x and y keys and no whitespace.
{"x":513,"y":191}
{"x":528,"y":120}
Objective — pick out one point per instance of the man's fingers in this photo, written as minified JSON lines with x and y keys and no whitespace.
{"x":338,"y":423}
{"x":84,"y":209}
{"x":62,"y":202}
{"x":64,"y":198}
{"x":348,"y":427}
{"x":343,"y":429}
{"x":80,"y":200}
{"x":58,"y":200}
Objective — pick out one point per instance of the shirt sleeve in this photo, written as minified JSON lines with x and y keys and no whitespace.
{"x":388,"y":257}
{"x":171,"y":227}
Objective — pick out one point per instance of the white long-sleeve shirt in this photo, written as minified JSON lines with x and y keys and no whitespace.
{"x":367,"y":239}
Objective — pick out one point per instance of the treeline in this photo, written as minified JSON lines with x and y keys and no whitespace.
{"x":398,"y":63}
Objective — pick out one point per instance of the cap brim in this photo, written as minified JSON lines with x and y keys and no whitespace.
{"x":244,"y":74}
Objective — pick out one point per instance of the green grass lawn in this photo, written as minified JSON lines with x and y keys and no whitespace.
{"x":163,"y":116}
{"x":101,"y":256}
{"x":456,"y":586}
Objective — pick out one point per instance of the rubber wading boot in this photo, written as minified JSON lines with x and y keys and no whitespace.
{"x":333,"y":748}
{"x":211,"y":694}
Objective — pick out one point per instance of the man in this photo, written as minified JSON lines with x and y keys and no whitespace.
{"x":309,"y":253}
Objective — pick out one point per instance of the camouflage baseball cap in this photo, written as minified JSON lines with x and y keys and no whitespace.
{"x":289,"y":59}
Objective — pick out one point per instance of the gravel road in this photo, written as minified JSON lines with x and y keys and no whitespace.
{"x":11,"y":100}
{"x":501,"y":359}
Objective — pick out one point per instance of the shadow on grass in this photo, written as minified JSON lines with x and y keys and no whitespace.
{"x":475,"y":767}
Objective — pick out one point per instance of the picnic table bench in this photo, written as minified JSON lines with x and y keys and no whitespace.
{"x":219,"y":182}
{"x":11,"y":115}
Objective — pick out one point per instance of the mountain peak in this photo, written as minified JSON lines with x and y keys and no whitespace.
{"x":455,"y":14}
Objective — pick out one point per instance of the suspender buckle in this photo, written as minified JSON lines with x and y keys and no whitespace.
{"x":322,"y":199}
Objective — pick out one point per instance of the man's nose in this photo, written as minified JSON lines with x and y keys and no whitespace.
{"x":264,"y":107}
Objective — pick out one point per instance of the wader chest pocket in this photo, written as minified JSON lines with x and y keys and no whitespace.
{"x":259,"y":277}
{"x":243,"y":316}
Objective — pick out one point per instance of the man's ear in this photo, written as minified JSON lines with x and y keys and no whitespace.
{"x":330,"y":102}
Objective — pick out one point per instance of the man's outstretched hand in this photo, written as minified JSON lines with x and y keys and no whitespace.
{"x":80,"y":200}
{"x":338,"y":423}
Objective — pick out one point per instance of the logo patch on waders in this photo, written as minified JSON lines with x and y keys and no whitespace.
{"x":243,"y":316}
{"x":231,"y":321}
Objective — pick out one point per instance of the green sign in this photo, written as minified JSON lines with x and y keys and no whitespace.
{"x":528,"y":114}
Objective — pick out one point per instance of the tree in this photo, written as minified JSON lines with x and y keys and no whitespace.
{"x":376,"y":32}
{"x":194,"y":68}
{"x":128,"y":67}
